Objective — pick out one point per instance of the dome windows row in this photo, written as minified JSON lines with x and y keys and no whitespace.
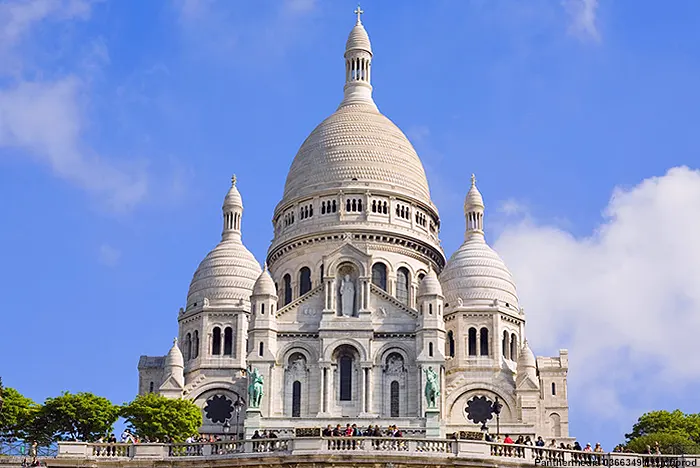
{"x":375,"y":208}
{"x":221,"y":343}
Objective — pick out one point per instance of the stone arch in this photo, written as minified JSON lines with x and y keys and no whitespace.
{"x":331,"y":348}
{"x":390,"y":270}
{"x":465,"y":392}
{"x":554,"y":425}
{"x":407,"y":266}
{"x":336,"y":263}
{"x":404,"y":349}
{"x":307,"y":350}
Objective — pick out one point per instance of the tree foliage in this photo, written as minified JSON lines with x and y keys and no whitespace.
{"x":16,"y":414}
{"x":157,"y":417}
{"x":674,"y":430}
{"x":80,"y":416}
{"x":669,"y":443}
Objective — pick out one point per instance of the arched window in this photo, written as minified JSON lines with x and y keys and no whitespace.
{"x":151,"y":387}
{"x":228,"y":341}
{"x":394,"y":399}
{"x":402,"y":282}
{"x":421,"y":275}
{"x":430,"y":309}
{"x":296,"y":399}
{"x":216,"y":341}
{"x":345,"y":378}
{"x":514,"y":347}
{"x":450,"y":344}
{"x":188,"y":347}
{"x":472,"y":341}
{"x":505,"y":345}
{"x":304,"y":281}
{"x":347,"y":205}
{"x":287,"y":289}
{"x":554,"y":388}
{"x":430,"y":349}
{"x":261,"y":349}
{"x":555,"y":424}
{"x":195,"y":345}
{"x":484,"y":342}
{"x":379,"y":275}
{"x":322,"y":272}
{"x":262,"y":309}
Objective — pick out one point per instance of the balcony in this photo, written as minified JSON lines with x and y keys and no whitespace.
{"x":358,"y":451}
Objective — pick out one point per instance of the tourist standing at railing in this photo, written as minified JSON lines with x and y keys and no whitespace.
{"x":519,"y":450}
{"x":509,"y":450}
{"x":539,"y":443}
{"x":328,"y":431}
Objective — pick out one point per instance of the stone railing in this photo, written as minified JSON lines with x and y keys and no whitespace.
{"x":70,"y":452}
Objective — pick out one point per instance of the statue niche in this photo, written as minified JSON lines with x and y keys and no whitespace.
{"x":347,"y":291}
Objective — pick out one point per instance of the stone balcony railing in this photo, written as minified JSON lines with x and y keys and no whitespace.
{"x":273,"y":452}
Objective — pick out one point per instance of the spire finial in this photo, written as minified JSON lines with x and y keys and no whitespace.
{"x":265,"y":267}
{"x":473,"y":180}
{"x":175,"y":341}
{"x":233,"y":180}
{"x":358,"y":11}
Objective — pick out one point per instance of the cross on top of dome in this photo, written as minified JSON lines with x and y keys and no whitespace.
{"x":473,"y":180}
{"x":233,"y":179}
{"x":358,"y":11}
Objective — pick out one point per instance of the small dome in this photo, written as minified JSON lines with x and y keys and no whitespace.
{"x":358,"y":39}
{"x":174,"y":357}
{"x":264,"y":286}
{"x":233,"y":197}
{"x":477,"y":275}
{"x":526,"y":360}
{"x":225,"y":276}
{"x":473,"y":198}
{"x":430,"y":285}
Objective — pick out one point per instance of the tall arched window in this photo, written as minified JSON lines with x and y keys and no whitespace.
{"x":321,"y":272}
{"x":450,"y":344}
{"x":216,"y":341}
{"x":151,"y":387}
{"x":261,"y":349}
{"x":228,"y":341}
{"x":304,"y":281}
{"x":505,"y":345}
{"x":472,"y":341}
{"x":430,"y":349}
{"x":345,"y":378}
{"x":379,"y":275}
{"x":287,"y":289}
{"x":554,"y":388}
{"x":188,"y":347}
{"x":514,"y":347}
{"x":484,"y":342}
{"x":296,"y":399}
{"x":402,"y":282}
{"x":195,"y":345}
{"x":395,"y":399}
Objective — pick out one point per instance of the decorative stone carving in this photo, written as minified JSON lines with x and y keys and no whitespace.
{"x":395,"y":364}
{"x":347,"y":295}
{"x":460,"y":302}
{"x":205,"y":302}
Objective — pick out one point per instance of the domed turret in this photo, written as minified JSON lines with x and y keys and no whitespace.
{"x":527,"y":366}
{"x":475,"y":274}
{"x":264,"y":286}
{"x":174,"y":367}
{"x":227,"y":274}
{"x":430,"y":285}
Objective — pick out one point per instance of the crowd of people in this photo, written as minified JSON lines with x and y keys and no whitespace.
{"x":354,"y":431}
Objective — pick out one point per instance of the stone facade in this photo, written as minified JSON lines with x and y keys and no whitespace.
{"x":356,"y":302}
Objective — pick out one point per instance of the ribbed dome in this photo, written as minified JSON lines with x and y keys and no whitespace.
{"x":358,"y":39}
{"x":527,"y":358}
{"x":357,"y":146}
{"x":430,"y":285}
{"x":477,"y":275}
{"x":233,"y":197}
{"x":264,"y":286}
{"x":226,"y":275}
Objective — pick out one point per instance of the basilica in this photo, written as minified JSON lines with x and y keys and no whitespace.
{"x":355,"y":315}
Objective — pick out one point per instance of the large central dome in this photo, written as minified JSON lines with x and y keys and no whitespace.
{"x":357,"y":146}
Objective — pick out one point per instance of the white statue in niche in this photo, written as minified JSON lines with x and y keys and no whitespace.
{"x":347,"y":297}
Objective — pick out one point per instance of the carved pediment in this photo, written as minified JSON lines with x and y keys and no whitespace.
{"x":387,"y":309}
{"x":170,"y":384}
{"x":309,"y":310}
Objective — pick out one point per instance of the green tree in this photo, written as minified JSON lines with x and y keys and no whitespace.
{"x":657,"y":422}
{"x":80,"y":416}
{"x":669,"y":443}
{"x":16,"y":414}
{"x":157,"y":417}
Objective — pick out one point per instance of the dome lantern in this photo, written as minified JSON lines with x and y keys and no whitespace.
{"x":233,"y":211}
{"x":358,"y":64}
{"x":474,"y":211}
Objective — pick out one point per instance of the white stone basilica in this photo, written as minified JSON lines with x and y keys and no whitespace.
{"x":357,"y":301}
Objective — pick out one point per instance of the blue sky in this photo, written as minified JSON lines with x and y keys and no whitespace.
{"x":121,"y":123}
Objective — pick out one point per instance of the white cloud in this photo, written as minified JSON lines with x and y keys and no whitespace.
{"x":625,"y":300}
{"x":108,"y":255}
{"x":45,"y":119}
{"x":582,"y":14}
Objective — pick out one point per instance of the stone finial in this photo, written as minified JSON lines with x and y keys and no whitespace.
{"x":175,"y":341}
{"x":233,"y":180}
{"x":473,"y":180}
{"x":265,"y":267}
{"x":358,"y":11}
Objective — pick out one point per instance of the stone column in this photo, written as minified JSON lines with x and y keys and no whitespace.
{"x":322,"y":394}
